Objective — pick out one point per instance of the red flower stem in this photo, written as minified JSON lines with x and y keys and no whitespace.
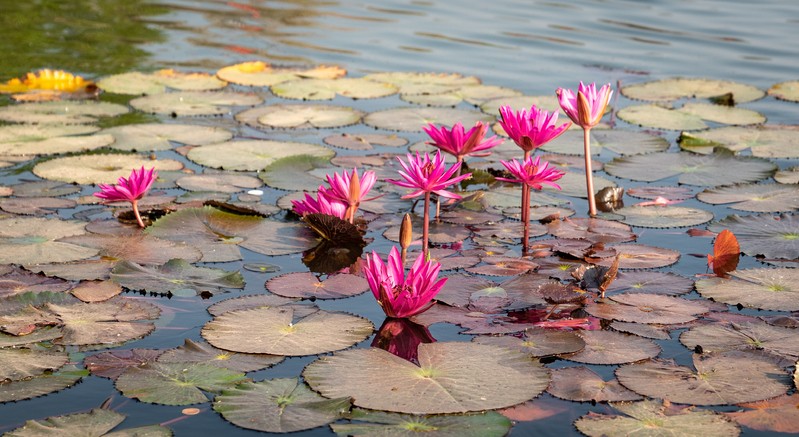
{"x":589,"y":177}
{"x":136,"y":213}
{"x":426,"y":224}
{"x":525,"y":216}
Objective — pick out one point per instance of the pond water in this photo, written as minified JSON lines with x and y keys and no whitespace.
{"x":530,"y":46}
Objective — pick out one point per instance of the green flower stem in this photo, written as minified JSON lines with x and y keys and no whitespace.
{"x":589,"y":177}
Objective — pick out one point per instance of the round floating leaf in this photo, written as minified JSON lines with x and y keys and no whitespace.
{"x":538,"y":342}
{"x":44,"y":188}
{"x":158,"y":136}
{"x":52,"y":146}
{"x":278,"y":405}
{"x":608,"y":347}
{"x":16,"y":280}
{"x":307,"y":285}
{"x":252,"y":155}
{"x":774,"y":415}
{"x":201,"y":352}
{"x":271,"y":237}
{"x":97,"y":422}
{"x":767,"y":141}
{"x":327,"y":89}
{"x":663,"y":216}
{"x":787,"y":176}
{"x":765,"y":234}
{"x":96,"y":291}
{"x":301,"y":116}
{"x":37,"y":336}
{"x":13,"y":136}
{"x":440,"y":232}
{"x":639,"y":256}
{"x":18,"y":363}
{"x":70,"y":112}
{"x":67,"y":376}
{"x":582,"y":384}
{"x":135,"y":83}
{"x":364,"y":141}
{"x":548,"y":102}
{"x":412,"y":83}
{"x":754,"y":197}
{"x":138,"y":248}
{"x":666,"y":283}
{"x":508,"y":231}
{"x":187,"y":103}
{"x":719,"y":379}
{"x":619,"y":141}
{"x":573,"y":184}
{"x":592,"y":229}
{"x":279,"y":331}
{"x":175,"y":383}
{"x":379,"y":423}
{"x":258,"y":73}
{"x":653,"y":418}
{"x":678,"y":88}
{"x":224,"y":183}
{"x":653,"y":192}
{"x":98,"y":169}
{"x":35,"y":205}
{"x":785,"y":90}
{"x":744,"y":336}
{"x":723,"y":114}
{"x":249,"y":302}
{"x":641,"y":330}
{"x":768,"y":289}
{"x":113,"y":321}
{"x":295,"y":172}
{"x":452,"y":377}
{"x":414,"y":119}
{"x":646,"y":308}
{"x":176,"y":274}
{"x":474,"y":94}
{"x":111,"y":364}
{"x":659,"y":117}
{"x":34,"y":241}
{"x":710,"y":170}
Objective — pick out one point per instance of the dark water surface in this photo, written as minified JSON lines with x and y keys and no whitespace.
{"x":531,"y":46}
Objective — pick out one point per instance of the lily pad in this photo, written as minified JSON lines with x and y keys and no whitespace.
{"x":136,"y":83}
{"x":754,"y":197}
{"x":592,"y":229}
{"x":764,"y":234}
{"x":223,"y":183}
{"x":307,"y":285}
{"x":201,"y":352}
{"x":623,"y":142}
{"x":35,"y":205}
{"x":34,"y":241}
{"x":159,"y":136}
{"x":767,"y":141}
{"x":175,"y":383}
{"x":785,"y":90}
{"x":65,"y":377}
{"x":278,"y":405}
{"x":745,"y":336}
{"x":661,"y":118}
{"x":414,"y":119}
{"x":639,"y":256}
{"x":723,"y":114}
{"x":44,"y":188}
{"x":768,"y":289}
{"x":663,"y":216}
{"x":68,"y":112}
{"x":137,"y":248}
{"x":373,"y":423}
{"x":646,"y":308}
{"x":252,"y":155}
{"x":111,"y":322}
{"x":474,"y":94}
{"x":718,"y":379}
{"x":608,"y":347}
{"x":258,"y":73}
{"x":678,"y":88}
{"x":787,"y":176}
{"x":16,"y":280}
{"x":111,"y":364}
{"x":52,"y":146}
{"x":774,"y":415}
{"x":250,"y":302}
{"x":364,"y":141}
{"x":18,"y":363}
{"x":538,"y":342}
{"x":98,"y":422}
{"x":327,"y":89}
{"x":295,"y":172}
{"x":667,"y":283}
{"x":278,"y":331}
{"x":413,"y":83}
{"x":548,"y":102}
{"x":98,"y":169}
{"x":192,"y":103}
{"x":451,"y":377}
{"x":176,"y":274}
{"x":582,"y":384}
{"x":690,"y":169}
{"x":39,"y":335}
{"x":96,"y":291}
{"x":650,"y":417}
{"x":300,"y":116}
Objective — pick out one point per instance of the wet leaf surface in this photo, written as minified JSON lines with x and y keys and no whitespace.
{"x":608,"y":347}
{"x":369,"y":422}
{"x":582,"y":384}
{"x":175,"y":383}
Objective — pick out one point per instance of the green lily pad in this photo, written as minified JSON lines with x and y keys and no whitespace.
{"x":96,"y":423}
{"x":69,"y":112}
{"x":548,"y":102}
{"x":201,"y":352}
{"x":661,"y":118}
{"x":158,"y":136}
{"x":114,"y":321}
{"x":176,"y":274}
{"x":327,"y":89}
{"x":723,"y":114}
{"x":53,"y":146}
{"x":767,"y":141}
{"x":17,"y":363}
{"x":763,"y":234}
{"x":718,"y":379}
{"x":65,"y":377}
{"x":192,"y":103}
{"x":663,"y":216}
{"x":252,"y":302}
{"x":690,"y":169}
{"x":15,"y":135}
{"x":224,"y":182}
{"x":278,"y":405}
{"x":413,"y":83}
{"x":678,"y":88}
{"x":622,"y":142}
{"x":295,"y":172}
{"x":754,"y":197}
{"x":744,"y":336}
{"x":307,"y":285}
{"x":44,"y":188}
{"x":111,"y":364}
{"x":379,"y":423}
{"x":98,"y":169}
{"x":452,"y":377}
{"x":474,"y":94}
{"x":301,"y":116}
{"x":414,"y":119}
{"x":176,"y":383}
{"x":768,"y":289}
{"x":34,"y":240}
{"x":785,"y":90}
{"x":279,"y":331}
{"x":252,"y":155}
{"x":364,"y":141}
{"x":137,"y":248}
{"x":136,"y":83}
{"x":258,"y":73}
{"x":35,"y":205}
{"x":573,"y":184}
{"x":650,"y":417}
{"x":582,"y":384}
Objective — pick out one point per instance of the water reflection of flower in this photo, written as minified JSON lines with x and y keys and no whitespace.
{"x":402,"y":337}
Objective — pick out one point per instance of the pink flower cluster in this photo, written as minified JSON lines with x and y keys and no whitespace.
{"x":341,"y":199}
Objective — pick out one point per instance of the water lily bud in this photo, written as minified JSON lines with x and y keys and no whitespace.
{"x":406,"y":232}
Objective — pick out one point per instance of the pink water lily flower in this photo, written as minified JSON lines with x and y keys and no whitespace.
{"x":587,"y":106}
{"x":131,"y":189}
{"x":349,"y":189}
{"x":531,"y":129}
{"x":461,"y":143}
{"x":532,"y":172}
{"x":321,"y":205}
{"x":399,"y":295}
{"x":428,"y":176}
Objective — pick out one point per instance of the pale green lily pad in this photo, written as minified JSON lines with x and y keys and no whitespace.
{"x":573,"y":184}
{"x":661,"y":118}
{"x":767,"y":141}
{"x":646,"y":308}
{"x":113,"y":321}
{"x":768,"y":289}
{"x":44,"y":188}
{"x":582,"y":384}
{"x":723,"y":114}
{"x":273,"y":238}
{"x":650,"y":417}
{"x":548,"y":102}
{"x":276,"y":331}
{"x":278,"y":405}
{"x":201,"y":352}
{"x":17,"y":363}
{"x":744,"y":336}
{"x":609,"y":347}
{"x":690,"y":169}
{"x":96,"y":423}
{"x":18,"y":134}
{"x":754,"y":197}
{"x":98,"y":169}
{"x":364,"y":141}
{"x":65,"y":377}
{"x":190,"y":103}
{"x":327,"y":89}
{"x":258,"y":73}
{"x":379,"y":423}
{"x":413,"y":83}
{"x":139,"y":248}
{"x":452,"y":377}
{"x":177,"y":274}
{"x":35,"y":205}
{"x":34,"y":241}
{"x":252,"y":155}
{"x":787,"y":176}
{"x":136,"y":83}
{"x":52,"y":146}
{"x":157,"y":136}
{"x":307,"y":285}
{"x":295,"y":173}
{"x":66,"y":112}
{"x":250,"y":302}
{"x":638,"y":256}
{"x":301,"y":116}
{"x":785,"y":90}
{"x":678,"y":88}
{"x":718,"y":379}
{"x":176,"y":383}
{"x":222,"y":182}
{"x":622,"y":142}
{"x":663,"y":216}
{"x":764,"y":234}
{"x":504,"y":197}
{"x":474,"y":94}
{"x":414,"y":119}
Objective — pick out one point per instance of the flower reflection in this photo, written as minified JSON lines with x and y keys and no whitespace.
{"x":402,"y":337}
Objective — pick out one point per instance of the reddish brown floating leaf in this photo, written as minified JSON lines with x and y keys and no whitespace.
{"x":111,"y":364}
{"x":639,"y":256}
{"x":582,"y":384}
{"x":608,"y":347}
{"x":307,"y":285}
{"x":780,"y":414}
{"x":726,"y":253}
{"x":503,"y":266}
{"x":591,"y":229}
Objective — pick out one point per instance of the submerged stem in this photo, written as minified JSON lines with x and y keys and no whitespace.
{"x":589,"y":177}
